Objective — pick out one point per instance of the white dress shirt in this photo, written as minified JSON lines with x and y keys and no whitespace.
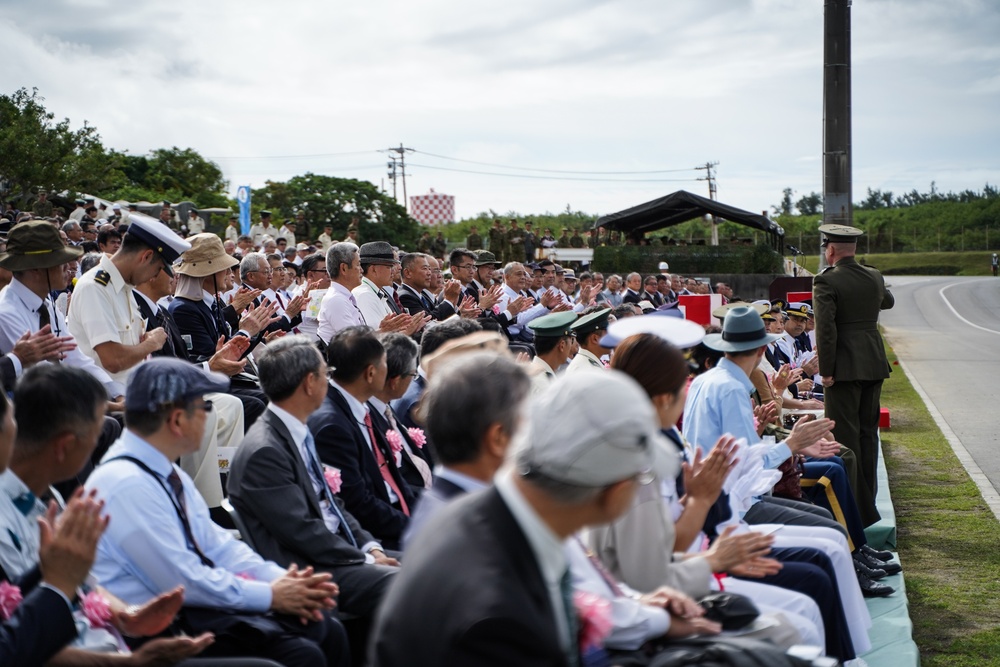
{"x":338,"y":310}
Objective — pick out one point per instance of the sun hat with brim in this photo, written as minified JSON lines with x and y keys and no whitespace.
{"x":679,"y":332}
{"x":743,"y":329}
{"x":206,"y":256}
{"x":377,"y":252}
{"x":36,"y":245}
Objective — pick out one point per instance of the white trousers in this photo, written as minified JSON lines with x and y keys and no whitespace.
{"x":800,"y":610}
{"x":223,"y":428}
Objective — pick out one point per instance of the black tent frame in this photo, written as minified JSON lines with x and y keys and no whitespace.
{"x":682,"y":206}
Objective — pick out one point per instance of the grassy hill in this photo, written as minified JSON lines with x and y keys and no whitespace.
{"x":974,"y":263}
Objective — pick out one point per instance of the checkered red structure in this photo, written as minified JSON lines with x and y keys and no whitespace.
{"x":433,"y":208}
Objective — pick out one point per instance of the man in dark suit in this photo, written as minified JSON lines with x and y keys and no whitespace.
{"x":633,"y":287}
{"x":847,"y":298}
{"x":373,"y":490}
{"x":416,"y":273}
{"x":279,"y":487}
{"x":487,"y":581}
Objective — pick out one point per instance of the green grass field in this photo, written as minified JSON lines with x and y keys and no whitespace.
{"x":948,"y":540}
{"x":921,"y":263}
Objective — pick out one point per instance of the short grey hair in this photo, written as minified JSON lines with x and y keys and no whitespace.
{"x":400,"y":354}
{"x":340,"y":253}
{"x":89,"y":261}
{"x":251,"y":262}
{"x":629,"y":277}
{"x":468,"y":395}
{"x":70,"y":225}
{"x":285,"y":363}
{"x":511,"y":268}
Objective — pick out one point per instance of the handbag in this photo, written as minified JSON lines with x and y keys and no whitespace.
{"x":731,"y":610}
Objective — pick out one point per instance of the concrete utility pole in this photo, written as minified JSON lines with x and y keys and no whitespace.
{"x":401,"y":151}
{"x":713,"y":195}
{"x":837,"y":207}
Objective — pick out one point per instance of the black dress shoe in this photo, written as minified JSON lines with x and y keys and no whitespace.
{"x":873,"y":589}
{"x":863,"y":570}
{"x":875,"y":553}
{"x":876,"y":564}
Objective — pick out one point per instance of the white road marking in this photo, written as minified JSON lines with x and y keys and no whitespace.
{"x":955,"y":312}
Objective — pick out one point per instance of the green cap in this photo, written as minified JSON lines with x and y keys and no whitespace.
{"x":588,"y":324}
{"x":484,"y":257}
{"x":840,"y":233}
{"x":555,"y":325}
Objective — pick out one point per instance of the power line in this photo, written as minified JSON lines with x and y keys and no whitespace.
{"x":284,"y":157}
{"x":556,"y":171}
{"x":558,"y":178}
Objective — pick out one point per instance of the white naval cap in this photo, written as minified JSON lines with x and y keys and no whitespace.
{"x":160,"y":238}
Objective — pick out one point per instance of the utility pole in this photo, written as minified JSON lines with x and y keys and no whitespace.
{"x":391,"y":164}
{"x":837,"y":206}
{"x":713,"y":195}
{"x":401,"y":152}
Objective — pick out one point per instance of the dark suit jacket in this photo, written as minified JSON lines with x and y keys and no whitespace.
{"x":340,"y":443}
{"x":269,"y":485}
{"x":632,"y":297}
{"x":403,"y":407}
{"x":283,"y":323}
{"x":407,"y":469}
{"x":7,"y":375}
{"x":41,"y":627}
{"x":175,"y":345}
{"x":847,"y":299}
{"x":411,"y":302}
{"x":195,"y":319}
{"x":471,"y":594}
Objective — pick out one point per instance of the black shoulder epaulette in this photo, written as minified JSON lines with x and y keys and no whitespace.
{"x":102,"y":278}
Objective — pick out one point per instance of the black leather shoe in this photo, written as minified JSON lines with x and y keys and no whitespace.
{"x":863,"y":570}
{"x":875,"y":553}
{"x":873,"y":589}
{"x":876,"y":564}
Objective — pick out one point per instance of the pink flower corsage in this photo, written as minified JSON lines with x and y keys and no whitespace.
{"x":10,"y":600}
{"x":417,"y":436}
{"x":594,"y":614}
{"x":97,"y":610}
{"x":332,"y":476}
{"x":395,"y":440}
{"x":496,"y":309}
{"x":245,"y":576}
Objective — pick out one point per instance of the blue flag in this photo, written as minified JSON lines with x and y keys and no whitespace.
{"x":243,"y":197}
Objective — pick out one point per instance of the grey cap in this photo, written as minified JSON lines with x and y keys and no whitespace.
{"x":167,"y":380}
{"x":743,"y":329}
{"x":594,"y":428}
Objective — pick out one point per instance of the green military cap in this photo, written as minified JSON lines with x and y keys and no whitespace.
{"x":588,"y":324}
{"x":840,"y":233}
{"x":555,"y":325}
{"x":484,"y":257}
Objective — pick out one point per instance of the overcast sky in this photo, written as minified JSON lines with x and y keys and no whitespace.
{"x":273,"y":89}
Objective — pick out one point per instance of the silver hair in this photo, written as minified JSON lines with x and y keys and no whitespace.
{"x":252,"y":262}
{"x":89,"y":261}
{"x":286,"y":363}
{"x":70,"y":225}
{"x":511,"y":267}
{"x":340,"y":253}
{"x":400,"y":354}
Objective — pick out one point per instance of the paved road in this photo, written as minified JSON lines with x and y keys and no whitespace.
{"x":947,"y":332}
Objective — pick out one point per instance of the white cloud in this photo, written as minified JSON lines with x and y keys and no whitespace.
{"x":631,"y":85}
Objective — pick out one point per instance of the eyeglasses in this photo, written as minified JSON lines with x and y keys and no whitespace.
{"x":323,"y":270}
{"x":268,"y":272}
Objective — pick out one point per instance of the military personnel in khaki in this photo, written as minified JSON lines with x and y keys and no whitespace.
{"x":590,"y":328}
{"x":424,"y":243}
{"x":576,"y":241}
{"x":439,"y":246}
{"x":847,"y":298}
{"x":555,"y":343}
{"x":515,"y":243}
{"x":498,"y":241}
{"x":473,"y":241}
{"x":42,"y":208}
{"x":564,"y":241}
{"x":326,"y":238}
